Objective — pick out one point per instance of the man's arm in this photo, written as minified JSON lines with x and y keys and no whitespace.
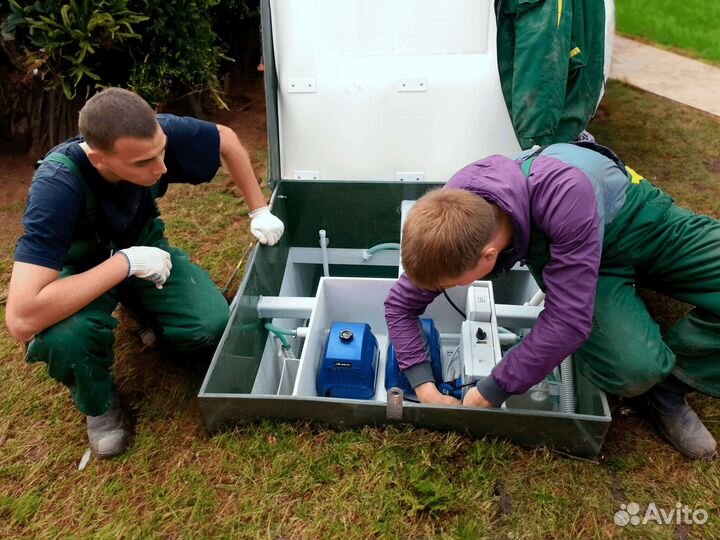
{"x":403,"y":306}
{"x":37,"y":299}
{"x":236,"y":161}
{"x":566,"y":211}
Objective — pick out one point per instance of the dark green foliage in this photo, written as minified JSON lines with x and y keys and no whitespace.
{"x":70,"y":48}
{"x":66,"y":43}
{"x":180,"y":53}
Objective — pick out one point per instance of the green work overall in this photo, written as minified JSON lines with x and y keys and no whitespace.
{"x":188,"y":314}
{"x":655,"y":244}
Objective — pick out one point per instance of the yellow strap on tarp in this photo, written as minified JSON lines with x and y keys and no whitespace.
{"x":575,"y":52}
{"x":559,"y":11}
{"x":635,"y":178}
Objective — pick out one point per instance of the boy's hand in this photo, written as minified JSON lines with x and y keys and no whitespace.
{"x":428,"y":393}
{"x":473,"y":398}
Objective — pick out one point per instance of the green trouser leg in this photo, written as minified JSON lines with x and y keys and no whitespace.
{"x":78,"y":352}
{"x":189,"y":313}
{"x":625,"y":354}
{"x":677,"y":253}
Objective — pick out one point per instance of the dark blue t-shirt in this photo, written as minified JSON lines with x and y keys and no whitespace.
{"x":56,"y":215}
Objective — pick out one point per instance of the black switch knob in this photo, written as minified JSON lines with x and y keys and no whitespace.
{"x":480,"y":334}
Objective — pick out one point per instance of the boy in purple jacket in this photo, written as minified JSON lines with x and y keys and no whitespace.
{"x":590,"y":230}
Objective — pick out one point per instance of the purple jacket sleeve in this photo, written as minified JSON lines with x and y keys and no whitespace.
{"x":403,"y":307}
{"x":565,"y":209}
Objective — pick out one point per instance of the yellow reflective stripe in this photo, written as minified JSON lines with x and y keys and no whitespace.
{"x":559,"y":11}
{"x":635,"y":178}
{"x":575,"y":52}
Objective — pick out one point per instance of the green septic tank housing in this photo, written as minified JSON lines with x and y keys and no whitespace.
{"x":550,"y":61}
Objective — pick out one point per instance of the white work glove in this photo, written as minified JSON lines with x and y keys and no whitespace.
{"x":149,"y":263}
{"x":266,"y":227}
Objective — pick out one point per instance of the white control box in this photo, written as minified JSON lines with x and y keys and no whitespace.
{"x":477,"y":350}
{"x":479,"y":341}
{"x":478,"y":306}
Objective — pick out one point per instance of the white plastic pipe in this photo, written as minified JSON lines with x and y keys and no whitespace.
{"x":301,"y":332}
{"x":285,"y":307}
{"x":514,"y":316}
{"x":379,"y":247}
{"x":324,"y":241}
{"x":508,"y":338}
{"x":537,"y":299}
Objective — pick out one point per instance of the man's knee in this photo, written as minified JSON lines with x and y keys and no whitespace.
{"x":211,"y":328}
{"x":76,"y":337}
{"x":78,"y":352}
{"x":202,"y":335}
{"x":631,"y":370}
{"x":636,"y":380}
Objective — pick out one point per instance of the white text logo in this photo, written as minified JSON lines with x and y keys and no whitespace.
{"x":681,"y":514}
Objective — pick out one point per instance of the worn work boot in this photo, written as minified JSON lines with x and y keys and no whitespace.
{"x":676,"y":422}
{"x":108,"y":433}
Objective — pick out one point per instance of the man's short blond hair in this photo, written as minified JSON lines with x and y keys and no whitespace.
{"x":444,"y":235}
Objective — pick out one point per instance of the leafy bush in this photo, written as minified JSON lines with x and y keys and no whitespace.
{"x":181,"y":53}
{"x":62,"y":42}
{"x":58,"y":52}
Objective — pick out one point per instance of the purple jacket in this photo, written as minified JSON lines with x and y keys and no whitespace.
{"x":570,"y":205}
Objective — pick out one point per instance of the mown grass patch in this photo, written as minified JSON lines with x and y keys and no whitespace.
{"x":690,"y":27}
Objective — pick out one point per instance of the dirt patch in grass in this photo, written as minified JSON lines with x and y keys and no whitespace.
{"x":15,"y":174}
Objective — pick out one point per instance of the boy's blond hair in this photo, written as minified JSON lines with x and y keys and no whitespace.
{"x":444,"y":235}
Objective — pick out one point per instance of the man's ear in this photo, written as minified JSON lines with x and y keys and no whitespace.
{"x":488,"y":252}
{"x":97,"y":158}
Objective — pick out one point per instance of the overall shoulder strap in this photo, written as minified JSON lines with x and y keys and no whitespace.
{"x":528,"y":161}
{"x":56,"y":157}
{"x":525,"y":166}
{"x":539,"y":248}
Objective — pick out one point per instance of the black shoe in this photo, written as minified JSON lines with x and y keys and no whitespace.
{"x":681,"y":427}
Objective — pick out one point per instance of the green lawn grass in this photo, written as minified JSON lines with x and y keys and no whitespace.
{"x":279,"y":480}
{"x":690,"y":26}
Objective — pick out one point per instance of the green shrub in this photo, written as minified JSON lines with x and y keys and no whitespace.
{"x":60,"y":41}
{"x":58,"y":52}
{"x":181,"y":53}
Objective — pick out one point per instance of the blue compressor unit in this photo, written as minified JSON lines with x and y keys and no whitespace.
{"x":348,"y":368}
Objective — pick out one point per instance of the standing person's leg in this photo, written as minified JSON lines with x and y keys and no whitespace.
{"x":79,"y":354}
{"x":189,"y":313}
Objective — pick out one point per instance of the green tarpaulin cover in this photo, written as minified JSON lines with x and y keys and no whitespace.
{"x":551,"y":58}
